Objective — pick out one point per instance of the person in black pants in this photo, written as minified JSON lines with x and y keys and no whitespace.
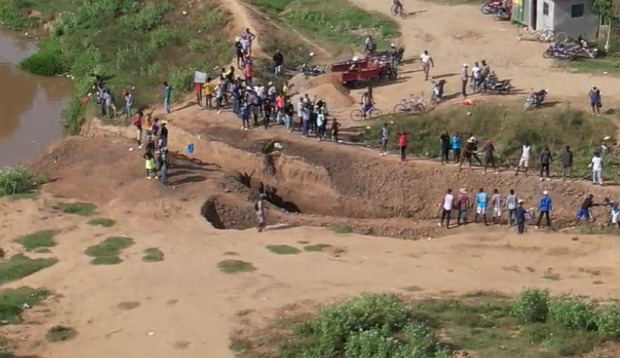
{"x":520,"y":215}
{"x":544,"y":208}
{"x":445,"y":148}
{"x":545,"y":162}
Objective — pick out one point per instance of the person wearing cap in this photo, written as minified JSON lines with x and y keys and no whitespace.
{"x":446,"y":206}
{"x":544,"y":208}
{"x":511,"y":206}
{"x":462,"y":205}
{"x":464,"y":79}
{"x":520,"y":217}
{"x":595,"y":100}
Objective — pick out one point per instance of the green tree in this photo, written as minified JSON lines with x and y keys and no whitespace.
{"x":609,"y":9}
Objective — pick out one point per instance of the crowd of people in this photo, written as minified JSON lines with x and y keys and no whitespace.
{"x":152,"y":134}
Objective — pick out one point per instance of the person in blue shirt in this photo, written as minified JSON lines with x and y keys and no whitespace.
{"x":482,"y":200}
{"x":456,"y":147}
{"x":520,"y":217}
{"x":544,"y":208}
{"x":167,"y":94}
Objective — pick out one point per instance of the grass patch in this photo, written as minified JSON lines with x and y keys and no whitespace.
{"x":317,"y":247}
{"x":106,"y":252}
{"x":13,"y":301}
{"x":42,"y":250}
{"x":153,"y":254}
{"x":333,"y":22}
{"x":530,"y":326}
{"x":33,"y":194}
{"x":20,"y":266}
{"x":235,"y":266}
{"x":82,"y":209}
{"x":342,"y":230}
{"x":60,"y":334}
{"x":160,"y":43}
{"x":508,"y":128}
{"x":283,"y":249}
{"x":39,"y":239}
{"x":17,"y":181}
{"x":129,"y":305}
{"x":609,"y":64}
{"x":103,"y":222}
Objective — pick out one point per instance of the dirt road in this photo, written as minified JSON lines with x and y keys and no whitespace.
{"x":455,"y":35}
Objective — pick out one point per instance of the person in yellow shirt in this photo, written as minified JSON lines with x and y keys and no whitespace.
{"x":208,"y":90}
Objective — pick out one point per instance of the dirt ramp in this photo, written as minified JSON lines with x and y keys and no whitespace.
{"x":328,"y":87}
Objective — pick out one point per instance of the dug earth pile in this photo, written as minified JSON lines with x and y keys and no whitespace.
{"x":347,"y":181}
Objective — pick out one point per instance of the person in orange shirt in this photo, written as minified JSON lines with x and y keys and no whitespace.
{"x":247,"y":71}
{"x":198,"y":89}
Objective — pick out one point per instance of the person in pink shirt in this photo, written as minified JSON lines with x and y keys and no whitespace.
{"x":247,"y":71}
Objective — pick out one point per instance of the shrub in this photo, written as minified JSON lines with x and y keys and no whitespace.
{"x":12,"y":302}
{"x":60,"y":334}
{"x":48,"y":61}
{"x":16,"y":181}
{"x":531,"y":306}
{"x":19,"y":266}
{"x":73,"y":116}
{"x":608,"y":321}
{"x":106,"y":252}
{"x":370,"y":344}
{"x":572,"y":312}
{"x":39,"y":239}
{"x":13,"y":17}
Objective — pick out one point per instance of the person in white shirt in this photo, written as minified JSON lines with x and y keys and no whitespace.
{"x":597,"y":169}
{"x":525,"y":158}
{"x":476,"y":74}
{"x":427,"y":63}
{"x":446,"y":207}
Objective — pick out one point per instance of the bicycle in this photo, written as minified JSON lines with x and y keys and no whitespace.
{"x":358,"y":114}
{"x":541,"y":35}
{"x":413,"y":104}
{"x":398,"y":10}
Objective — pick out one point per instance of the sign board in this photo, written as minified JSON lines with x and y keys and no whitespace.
{"x":200,"y":77}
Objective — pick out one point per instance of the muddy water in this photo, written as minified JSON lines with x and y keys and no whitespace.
{"x":30,"y":105}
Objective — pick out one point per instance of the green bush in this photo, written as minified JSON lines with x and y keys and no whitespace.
{"x":48,"y":61}
{"x":608,"y":321}
{"x":19,"y":266}
{"x":16,"y":181}
{"x":573,"y":313}
{"x":73,"y":116}
{"x":13,"y":16}
{"x":531,"y":306}
{"x":12,"y":302}
{"x":370,"y":344}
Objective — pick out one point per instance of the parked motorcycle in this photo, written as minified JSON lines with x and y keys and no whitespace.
{"x":535,"y":99}
{"x":561,"y":52}
{"x":311,"y":71}
{"x":437,"y":91}
{"x":494,"y":84}
{"x":504,"y":14}
{"x":491,"y":7}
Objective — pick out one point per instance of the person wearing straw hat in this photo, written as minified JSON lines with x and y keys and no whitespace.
{"x":544,"y":208}
{"x":462,"y":205}
{"x":520,"y":217}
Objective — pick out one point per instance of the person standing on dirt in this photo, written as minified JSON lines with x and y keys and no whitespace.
{"x":149,"y":164}
{"x":289,"y":110}
{"x":597,"y":169}
{"x":511,"y":206}
{"x":250,"y":37}
{"x":367,"y":102}
{"x":544,"y":208}
{"x":444,"y":142}
{"x":239,"y":52}
{"x":476,"y":75}
{"x":267,"y":109}
{"x":208,"y":91}
{"x":369,"y":45}
{"x":110,"y":108}
{"x":259,"y":208}
{"x":489,"y":157}
{"x":128,"y":103}
{"x":167,"y":97}
{"x":162,"y":135}
{"x":464,"y":79}
{"x":305,"y":119}
{"x":427,"y":63}
{"x":456,"y":147}
{"x":520,"y":217}
{"x":385,"y":138}
{"x":545,"y":162}
{"x":278,"y":63}
{"x":525,"y":158}
{"x":248,"y":72}
{"x":486,"y":70}
{"x":164,"y":164}
{"x":482,"y":200}
{"x":335,"y":129}
{"x":137,"y":123}
{"x":198,"y":88}
{"x":585,"y":211}
{"x":496,"y":200}
{"x":462,"y":204}
{"x":470,"y":152}
{"x":567,"y":162}
{"x":321,"y":123}
{"x":595,"y":100}
{"x":446,"y":208}
{"x":402,"y":145}
{"x":398,"y":7}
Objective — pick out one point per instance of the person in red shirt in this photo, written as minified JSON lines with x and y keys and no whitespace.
{"x":137,"y":122}
{"x":198,"y":89}
{"x":247,"y":71}
{"x":402,"y":144}
{"x":280,"y":103}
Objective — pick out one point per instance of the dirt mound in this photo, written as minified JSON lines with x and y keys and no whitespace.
{"x":327,"y":87}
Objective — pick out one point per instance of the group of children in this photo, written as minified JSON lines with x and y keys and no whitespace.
{"x":156,"y":157}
